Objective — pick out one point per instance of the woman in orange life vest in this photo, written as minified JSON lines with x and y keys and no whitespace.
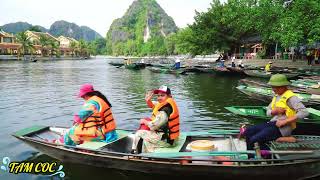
{"x":95,"y":121}
{"x":162,"y":129}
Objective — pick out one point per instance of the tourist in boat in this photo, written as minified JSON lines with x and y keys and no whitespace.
{"x":94,"y":121}
{"x":177,"y":64}
{"x":240,"y":64}
{"x":285,"y":109}
{"x":162,"y":129}
{"x":233,"y":64}
{"x":127,"y":61}
{"x":267,"y":68}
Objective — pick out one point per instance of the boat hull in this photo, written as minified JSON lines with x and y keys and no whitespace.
{"x":262,"y":74}
{"x":290,"y":170}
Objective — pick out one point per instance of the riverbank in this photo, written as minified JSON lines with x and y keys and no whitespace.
{"x":28,"y":57}
{"x":202,"y":60}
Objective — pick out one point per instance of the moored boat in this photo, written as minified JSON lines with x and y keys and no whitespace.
{"x":266,"y":95}
{"x":167,"y":70}
{"x":221,"y":70}
{"x":236,"y":70}
{"x":135,"y":66}
{"x":263,"y":74}
{"x":227,"y":160}
{"x":116,"y":64}
{"x":261,"y":113}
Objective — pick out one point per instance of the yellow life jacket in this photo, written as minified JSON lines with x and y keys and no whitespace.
{"x":102,"y":118}
{"x":282,"y":103}
{"x":173,"y":124}
{"x":267,"y":68}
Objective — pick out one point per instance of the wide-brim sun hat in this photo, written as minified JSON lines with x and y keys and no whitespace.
{"x":278,"y":80}
{"x":84,"y":89}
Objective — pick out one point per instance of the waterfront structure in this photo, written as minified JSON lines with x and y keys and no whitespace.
{"x":66,"y":46}
{"x":8,"y":44}
{"x":35,"y":39}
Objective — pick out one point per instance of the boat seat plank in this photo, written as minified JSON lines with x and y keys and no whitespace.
{"x":176,"y":148}
{"x":30,"y":130}
{"x":97,"y":145}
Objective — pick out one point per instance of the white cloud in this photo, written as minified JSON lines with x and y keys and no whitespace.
{"x":96,"y":14}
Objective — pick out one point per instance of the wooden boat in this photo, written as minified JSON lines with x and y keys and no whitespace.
{"x":313,"y":91}
{"x":221,"y":70}
{"x":162,"y":65}
{"x":236,"y":70}
{"x":263,"y":74}
{"x":135,"y":66}
{"x":229,"y":158}
{"x":309,"y":72}
{"x":261,"y":113}
{"x":305,"y":83}
{"x":167,"y":70}
{"x":295,"y":87}
{"x":266,"y":95}
{"x":208,"y":70}
{"x":249,"y":82}
{"x":116,"y":64}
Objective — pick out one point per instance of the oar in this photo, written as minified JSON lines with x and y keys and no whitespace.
{"x":222,"y":153}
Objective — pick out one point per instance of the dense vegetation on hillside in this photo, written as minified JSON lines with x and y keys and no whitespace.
{"x":141,"y":31}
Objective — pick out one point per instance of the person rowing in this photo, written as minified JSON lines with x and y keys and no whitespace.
{"x":285,"y":109}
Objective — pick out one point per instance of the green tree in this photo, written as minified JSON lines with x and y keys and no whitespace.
{"x":185,"y":42}
{"x":74,"y":48}
{"x":300,"y":23}
{"x":170,"y":44}
{"x":92,"y":48}
{"x":83,"y":48}
{"x":54,"y":46}
{"x":35,"y":29}
{"x":25,"y":42}
{"x":101,"y":45}
{"x":44,"y":42}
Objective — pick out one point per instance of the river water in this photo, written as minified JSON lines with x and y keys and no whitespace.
{"x":44,"y":93}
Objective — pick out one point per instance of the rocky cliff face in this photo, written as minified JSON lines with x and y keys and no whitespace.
{"x":65,"y":28}
{"x":20,"y":27}
{"x":143,"y":21}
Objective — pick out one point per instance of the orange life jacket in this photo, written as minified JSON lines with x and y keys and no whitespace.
{"x":102,"y":118}
{"x":173,"y":125}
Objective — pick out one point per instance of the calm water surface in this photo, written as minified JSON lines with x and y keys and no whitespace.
{"x":44,"y":93}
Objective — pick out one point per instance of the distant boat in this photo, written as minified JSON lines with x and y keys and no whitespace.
{"x":266,"y":95}
{"x":263,"y":74}
{"x":116,"y":64}
{"x":236,"y":70}
{"x":135,"y":66}
{"x":166,"y":70}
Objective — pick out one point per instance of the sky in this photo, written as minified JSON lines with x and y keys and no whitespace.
{"x":96,"y":14}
